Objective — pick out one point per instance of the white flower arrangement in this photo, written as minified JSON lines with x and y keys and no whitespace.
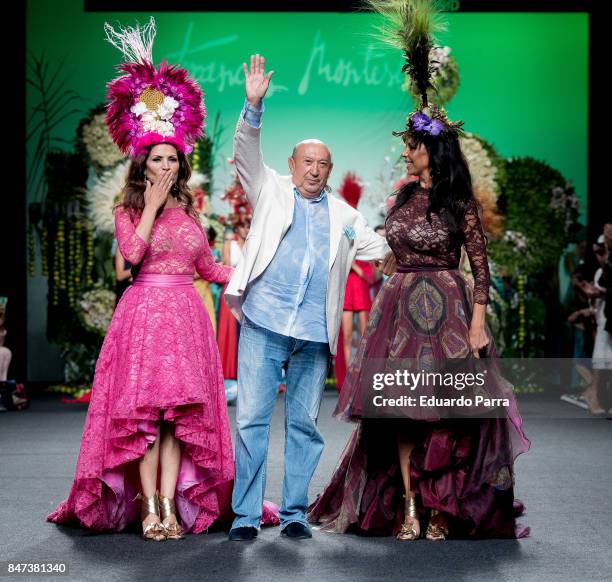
{"x":103,"y":195}
{"x":393,"y":169}
{"x":95,"y":309}
{"x":482,"y":168}
{"x":198,"y":179}
{"x":565,"y":203}
{"x":100,"y":147}
{"x":204,"y":220}
{"x":439,"y":57}
{"x":517,"y":238}
{"x":563,"y":198}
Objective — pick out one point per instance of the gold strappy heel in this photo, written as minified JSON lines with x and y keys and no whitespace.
{"x":408,"y":531}
{"x":168,"y":508}
{"x":150,"y":506}
{"x":437,"y":529}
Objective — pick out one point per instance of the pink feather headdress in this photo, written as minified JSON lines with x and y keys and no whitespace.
{"x":149,"y":105}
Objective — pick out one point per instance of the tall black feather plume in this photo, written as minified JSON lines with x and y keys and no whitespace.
{"x":411,"y":25}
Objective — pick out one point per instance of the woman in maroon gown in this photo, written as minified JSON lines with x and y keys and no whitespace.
{"x":459,"y":471}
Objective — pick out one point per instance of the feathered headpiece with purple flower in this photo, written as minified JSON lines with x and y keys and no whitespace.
{"x":149,"y":105}
{"x":410,"y":25}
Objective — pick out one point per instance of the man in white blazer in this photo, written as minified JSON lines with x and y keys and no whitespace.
{"x":288,"y":292}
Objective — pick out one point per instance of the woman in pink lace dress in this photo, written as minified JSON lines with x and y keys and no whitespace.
{"x":158,"y":396}
{"x":157,"y":417}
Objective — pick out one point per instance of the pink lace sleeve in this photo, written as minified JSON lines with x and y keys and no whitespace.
{"x":476,"y":249}
{"x":209,"y":270}
{"x":131,"y":245}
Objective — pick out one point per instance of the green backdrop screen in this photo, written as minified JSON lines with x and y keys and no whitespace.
{"x":523,"y":80}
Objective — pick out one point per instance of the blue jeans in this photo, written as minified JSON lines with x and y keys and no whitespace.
{"x":261,"y":357}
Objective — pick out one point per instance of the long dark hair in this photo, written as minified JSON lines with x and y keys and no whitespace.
{"x":133,"y":193}
{"x":451,"y":188}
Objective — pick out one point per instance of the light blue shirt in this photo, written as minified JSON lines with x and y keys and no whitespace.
{"x":289,"y":296}
{"x":252,"y":115}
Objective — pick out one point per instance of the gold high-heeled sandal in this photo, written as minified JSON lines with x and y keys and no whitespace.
{"x":168,"y":508}
{"x":436,"y":531}
{"x":150,"y":506}
{"x":408,"y":531}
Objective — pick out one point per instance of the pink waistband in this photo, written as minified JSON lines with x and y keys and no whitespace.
{"x":155,"y":280}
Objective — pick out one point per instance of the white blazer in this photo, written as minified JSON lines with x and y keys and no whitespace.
{"x":271,"y":197}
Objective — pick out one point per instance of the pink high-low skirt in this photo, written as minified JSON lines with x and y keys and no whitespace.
{"x":159,"y":360}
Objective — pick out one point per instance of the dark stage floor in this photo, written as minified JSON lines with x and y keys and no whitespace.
{"x":565,"y":481}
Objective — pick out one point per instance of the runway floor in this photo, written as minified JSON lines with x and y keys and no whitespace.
{"x":565,"y":481}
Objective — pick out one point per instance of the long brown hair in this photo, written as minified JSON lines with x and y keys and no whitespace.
{"x":133,"y":192}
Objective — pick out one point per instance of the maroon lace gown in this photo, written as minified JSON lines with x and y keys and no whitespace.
{"x":462,"y":467}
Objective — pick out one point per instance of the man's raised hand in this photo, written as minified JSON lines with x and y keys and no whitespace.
{"x":256,"y":82}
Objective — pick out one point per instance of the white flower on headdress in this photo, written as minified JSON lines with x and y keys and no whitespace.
{"x":439,"y":56}
{"x":153,"y":124}
{"x":148,"y":117}
{"x":164,"y":128}
{"x":138,"y":109}
{"x":167,"y":108}
{"x":157,"y":121}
